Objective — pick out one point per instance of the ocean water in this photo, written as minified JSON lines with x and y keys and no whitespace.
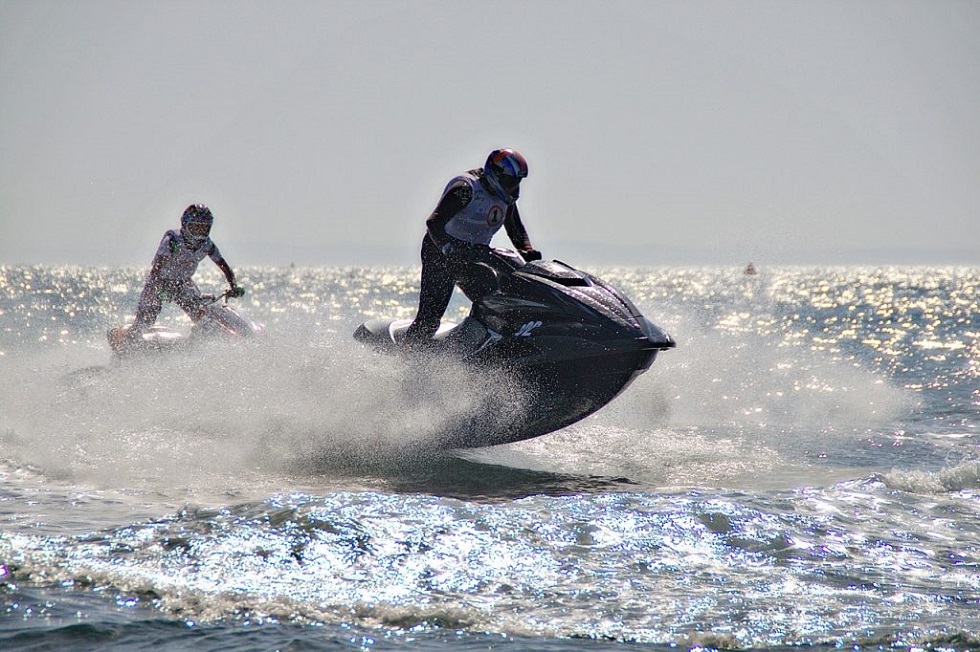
{"x":803,"y":470}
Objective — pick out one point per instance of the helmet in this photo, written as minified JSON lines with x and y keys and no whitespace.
{"x":506,"y":161}
{"x":195,"y":223}
{"x":504,"y":170}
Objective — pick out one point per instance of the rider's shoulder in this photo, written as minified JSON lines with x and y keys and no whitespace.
{"x":462,"y":186}
{"x":169,"y":241}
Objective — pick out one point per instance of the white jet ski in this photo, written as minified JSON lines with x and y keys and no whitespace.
{"x":217,"y":321}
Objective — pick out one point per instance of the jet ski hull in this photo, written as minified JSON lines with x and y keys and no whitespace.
{"x":562,"y":389}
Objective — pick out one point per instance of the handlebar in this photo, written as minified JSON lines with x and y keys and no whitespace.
{"x":208,"y":299}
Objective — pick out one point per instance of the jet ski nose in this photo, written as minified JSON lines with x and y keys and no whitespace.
{"x":659,"y":338}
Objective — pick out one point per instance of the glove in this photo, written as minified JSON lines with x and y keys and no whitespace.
{"x":530,"y":254}
{"x":236,"y":292}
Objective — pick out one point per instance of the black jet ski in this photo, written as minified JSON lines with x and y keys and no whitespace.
{"x":571,"y":340}
{"x":216,"y":320}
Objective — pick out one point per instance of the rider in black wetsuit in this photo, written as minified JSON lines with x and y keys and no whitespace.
{"x":472,"y":209}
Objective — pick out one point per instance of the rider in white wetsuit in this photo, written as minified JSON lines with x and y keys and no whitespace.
{"x":173,"y":267}
{"x":472,"y":209}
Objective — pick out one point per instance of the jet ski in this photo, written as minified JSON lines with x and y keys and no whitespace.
{"x":216,"y":321}
{"x":570,"y":340}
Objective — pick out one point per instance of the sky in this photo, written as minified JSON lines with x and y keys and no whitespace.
{"x":657,"y":132}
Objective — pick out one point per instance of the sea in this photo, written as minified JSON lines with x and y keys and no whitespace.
{"x":802,"y":471}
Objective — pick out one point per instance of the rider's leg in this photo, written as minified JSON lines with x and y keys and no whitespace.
{"x":188,"y":297}
{"x":147,"y":310}
{"x":436,"y":289}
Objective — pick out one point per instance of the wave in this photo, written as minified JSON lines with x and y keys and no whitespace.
{"x":964,"y":476}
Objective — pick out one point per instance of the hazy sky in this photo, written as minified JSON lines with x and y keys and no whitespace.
{"x":657,"y":131}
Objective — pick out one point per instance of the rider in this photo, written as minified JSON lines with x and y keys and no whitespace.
{"x":175,"y":262}
{"x":472,"y":209}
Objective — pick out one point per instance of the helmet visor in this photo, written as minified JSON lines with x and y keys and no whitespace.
{"x":198,"y":229}
{"x":509,"y":181}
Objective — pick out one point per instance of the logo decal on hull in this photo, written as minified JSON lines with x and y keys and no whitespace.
{"x":525,"y":329}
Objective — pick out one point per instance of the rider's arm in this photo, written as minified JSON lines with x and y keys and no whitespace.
{"x":518,"y":234}
{"x":226,"y":270}
{"x":515,"y":229}
{"x":223,"y":265}
{"x":161,"y":256}
{"x":455,"y":199}
{"x":157,"y":266}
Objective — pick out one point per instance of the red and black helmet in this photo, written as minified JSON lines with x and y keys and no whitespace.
{"x":507,"y":162}
{"x":503,"y":171}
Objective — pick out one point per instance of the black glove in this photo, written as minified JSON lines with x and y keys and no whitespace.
{"x":236,"y":292}
{"x":531,"y":254}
